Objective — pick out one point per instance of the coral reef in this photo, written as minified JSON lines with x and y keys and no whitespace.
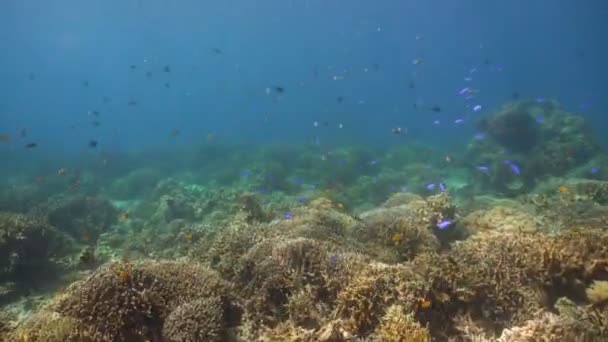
{"x":526,"y":141}
{"x":128,"y":301}
{"x":84,"y":218}
{"x":200,"y":320}
{"x":397,"y":325}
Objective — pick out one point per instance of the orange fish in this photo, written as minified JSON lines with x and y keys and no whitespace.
{"x":562,"y":189}
{"x":425,"y":303}
{"x":123,"y":216}
{"x":39,"y":180}
{"x":5,"y":138}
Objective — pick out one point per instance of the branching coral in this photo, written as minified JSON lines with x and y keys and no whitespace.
{"x":200,"y":320}
{"x":362,"y":303}
{"x":399,"y":326}
{"x":50,"y":327}
{"x":405,"y":229}
{"x":130,"y":301}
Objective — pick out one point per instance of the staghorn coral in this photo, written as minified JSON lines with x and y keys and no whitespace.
{"x":362,"y":302}
{"x":275,"y":269}
{"x":398,"y":326}
{"x":130,"y":301}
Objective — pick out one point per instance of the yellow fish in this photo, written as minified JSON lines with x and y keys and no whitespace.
{"x":562,"y":189}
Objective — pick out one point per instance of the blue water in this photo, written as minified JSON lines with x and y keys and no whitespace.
{"x":317,"y":50}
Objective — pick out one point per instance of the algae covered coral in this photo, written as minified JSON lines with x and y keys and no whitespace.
{"x":289,"y":251}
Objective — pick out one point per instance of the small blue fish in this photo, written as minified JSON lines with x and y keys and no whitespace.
{"x":595,"y":170}
{"x":436,"y":122}
{"x":477,"y":108}
{"x":312,"y":186}
{"x":288,"y":216}
{"x":539,"y":99}
{"x":540,"y":119}
{"x":298,"y":181}
{"x":245,"y":174}
{"x":458,"y":121}
{"x":506,"y":161}
{"x":430,"y":186}
{"x":333,"y":259}
{"x":444,"y":224}
{"x":404,"y":188}
{"x":262,"y":190}
{"x":480,"y":136}
{"x":392,"y":188}
{"x":464,"y":91}
{"x":515,"y":169}
{"x":442,"y":187}
{"x":483,"y":169}
{"x":584,"y":105}
{"x":373,"y":162}
{"x":302,"y":198}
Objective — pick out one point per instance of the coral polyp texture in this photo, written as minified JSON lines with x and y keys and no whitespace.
{"x":404,"y":244}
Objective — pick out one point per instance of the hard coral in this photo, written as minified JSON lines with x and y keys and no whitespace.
{"x":500,"y":218}
{"x":128,"y":301}
{"x":408,"y":230}
{"x":50,"y":327}
{"x":82,"y":217}
{"x":26,"y":242}
{"x":362,"y":302}
{"x":199,"y":320}
{"x":399,"y":326}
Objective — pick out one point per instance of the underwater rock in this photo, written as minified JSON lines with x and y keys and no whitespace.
{"x":513,"y":127}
